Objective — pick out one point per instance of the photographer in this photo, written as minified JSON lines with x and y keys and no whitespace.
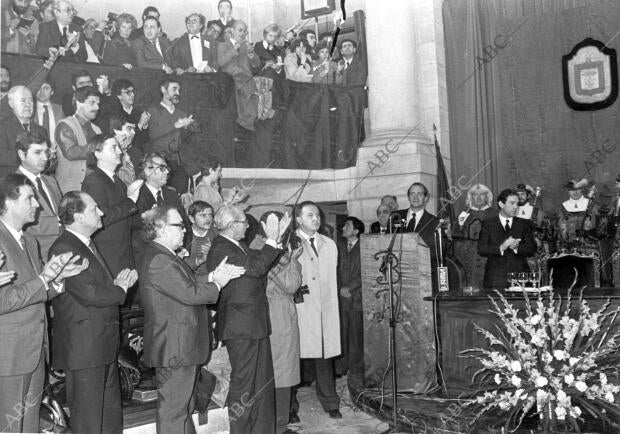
{"x":283,"y":282}
{"x":20,"y":27}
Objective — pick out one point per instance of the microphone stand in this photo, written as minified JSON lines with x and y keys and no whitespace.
{"x":391,"y":275}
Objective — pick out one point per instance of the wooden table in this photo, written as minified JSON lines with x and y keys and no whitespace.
{"x":456,"y":314}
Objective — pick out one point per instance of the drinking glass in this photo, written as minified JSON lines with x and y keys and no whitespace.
{"x":522,"y":278}
{"x":512,"y":279}
{"x":535,"y":279}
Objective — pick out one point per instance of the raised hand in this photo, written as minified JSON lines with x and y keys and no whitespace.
{"x":225,"y":272}
{"x":5,"y":276}
{"x":126,"y":278}
{"x":272,"y":227}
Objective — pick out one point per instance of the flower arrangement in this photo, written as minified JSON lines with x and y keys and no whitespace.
{"x":559,"y":362}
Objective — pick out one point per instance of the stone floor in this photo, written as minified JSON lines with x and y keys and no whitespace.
{"x":313,"y":419}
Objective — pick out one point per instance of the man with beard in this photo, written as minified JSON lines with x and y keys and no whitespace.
{"x":73,"y":135}
{"x":506,"y":241}
{"x":20,"y":27}
{"x":110,"y":193}
{"x":17,"y":122}
{"x":169,"y":128}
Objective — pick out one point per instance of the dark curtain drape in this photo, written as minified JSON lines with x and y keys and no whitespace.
{"x":508,"y":119}
{"x":316,"y":126}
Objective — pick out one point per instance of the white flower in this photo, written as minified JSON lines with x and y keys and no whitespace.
{"x":518,"y":392}
{"x":541,"y":382}
{"x":535,"y":319}
{"x":560,"y":412}
{"x":504,"y":405}
{"x":575,"y":411}
{"x":515,"y":366}
{"x":573,"y":360}
{"x":603,"y":378}
{"x":609,"y":397}
{"x":560,"y":354}
{"x":568,"y":379}
{"x":516,"y":381}
{"x":497,"y":379}
{"x":581,"y":386}
{"x":561,"y":395}
{"x":546,"y":357}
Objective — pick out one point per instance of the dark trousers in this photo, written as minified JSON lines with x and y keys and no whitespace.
{"x":94,"y":397}
{"x":283,"y":408}
{"x":176,"y":399}
{"x":20,"y":400}
{"x":352,"y":341}
{"x":325,"y":386}
{"x":251,"y":397}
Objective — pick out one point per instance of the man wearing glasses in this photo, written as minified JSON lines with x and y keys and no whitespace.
{"x":153,"y":172}
{"x":192,"y":52}
{"x":59,"y":32}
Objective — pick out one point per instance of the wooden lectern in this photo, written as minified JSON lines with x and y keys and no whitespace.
{"x":415,"y":340}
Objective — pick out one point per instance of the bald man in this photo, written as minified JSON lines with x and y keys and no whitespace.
{"x":18,"y":121}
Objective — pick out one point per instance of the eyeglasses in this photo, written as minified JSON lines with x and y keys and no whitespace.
{"x":245,"y":222}
{"x":162,"y":168}
{"x":193,"y":21}
{"x":178,"y":225}
{"x":129,"y":91}
{"x":204,"y":214}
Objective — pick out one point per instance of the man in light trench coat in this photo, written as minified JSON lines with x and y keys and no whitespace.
{"x":319,"y":322}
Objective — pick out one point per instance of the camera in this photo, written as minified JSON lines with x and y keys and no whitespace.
{"x":298,"y":297}
{"x":110,"y":27}
{"x":294,"y":241}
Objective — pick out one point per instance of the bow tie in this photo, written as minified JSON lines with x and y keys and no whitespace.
{"x":195,"y":37}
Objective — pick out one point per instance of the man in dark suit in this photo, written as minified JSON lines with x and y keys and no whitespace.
{"x":86,"y":332}
{"x":151,"y":50}
{"x":154,"y":171}
{"x":177,"y":324}
{"x":17,"y":122}
{"x":26,"y":286}
{"x":417,"y":219}
{"x":58,"y":32}
{"x":350,"y":292}
{"x":506,"y":241}
{"x":47,"y":113}
{"x":243,"y":320}
{"x":353,"y":67}
{"x":33,"y":152}
{"x":382,"y":225}
{"x":191,"y":52}
{"x":149,"y":12}
{"x":110,"y":193}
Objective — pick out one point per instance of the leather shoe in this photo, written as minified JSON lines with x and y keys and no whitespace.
{"x":293,"y":418}
{"x":335,"y":414}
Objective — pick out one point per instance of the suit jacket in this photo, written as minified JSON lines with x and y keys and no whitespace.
{"x":86,"y":324}
{"x":181,"y":53}
{"x":177,"y":324}
{"x":22,"y":308}
{"x":147,"y":55}
{"x":425,"y":227}
{"x":10,"y":128}
{"x":114,"y":239}
{"x":375,"y":228}
{"x":242,"y":311}
{"x":145,"y":202}
{"x":17,"y":42}
{"x":58,"y":114}
{"x":238,"y":64}
{"x":265,"y":54}
{"x":498,"y":266}
{"x":350,"y":275}
{"x":46,"y":227}
{"x":356,"y":74}
{"x":50,"y":36}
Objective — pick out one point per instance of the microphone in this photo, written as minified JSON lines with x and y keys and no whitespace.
{"x":397,"y":222}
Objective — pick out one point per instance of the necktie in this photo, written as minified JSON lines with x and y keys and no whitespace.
{"x":160,"y":199}
{"x":63,"y":40}
{"x":507,"y":227}
{"x":46,"y":119}
{"x":99,"y":258}
{"x":195,"y":37}
{"x":22,"y":242}
{"x":412,"y":223}
{"x":346,"y":65}
{"x":314,"y":247}
{"x":26,"y":127}
{"x":43,"y":194}
{"x":349,"y":246}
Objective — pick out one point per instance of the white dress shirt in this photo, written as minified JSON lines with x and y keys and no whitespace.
{"x":196,"y":50}
{"x":33,"y":178}
{"x":53,"y":120}
{"x":418,"y":217}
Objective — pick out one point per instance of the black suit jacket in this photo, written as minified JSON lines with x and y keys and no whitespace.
{"x":425,"y":227}
{"x":356,"y":74}
{"x":350,"y":275}
{"x":86,"y":325}
{"x":181,"y":53}
{"x":10,"y":128}
{"x":147,"y":55}
{"x":498,"y":266}
{"x":114,"y":239}
{"x":242,"y":311}
{"x":145,"y":202}
{"x":50,"y":36}
{"x":177,"y":325}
